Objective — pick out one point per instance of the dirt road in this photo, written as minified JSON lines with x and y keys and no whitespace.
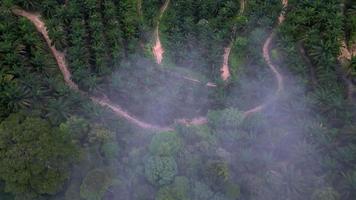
{"x":158,"y":48}
{"x":225,"y":69}
{"x":274,"y":69}
{"x":346,"y":54}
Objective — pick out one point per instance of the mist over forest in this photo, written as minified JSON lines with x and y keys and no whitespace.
{"x":177,"y":100}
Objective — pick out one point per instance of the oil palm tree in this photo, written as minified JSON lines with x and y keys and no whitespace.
{"x":16,"y":96}
{"x":349,"y":185}
{"x":58,"y":110}
{"x":291,"y":182}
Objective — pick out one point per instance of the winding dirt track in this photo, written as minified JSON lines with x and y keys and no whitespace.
{"x":105,"y":102}
{"x":157,"y":48}
{"x":277,"y":74}
{"x":225,"y":69}
{"x":35,"y":18}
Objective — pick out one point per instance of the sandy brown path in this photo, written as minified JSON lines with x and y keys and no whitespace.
{"x":120,"y":112}
{"x":158,"y":48}
{"x":59,"y":56}
{"x":225,"y":69}
{"x":35,"y":18}
{"x":346,"y":54}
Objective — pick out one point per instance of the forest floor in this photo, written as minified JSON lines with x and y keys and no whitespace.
{"x":35,"y":18}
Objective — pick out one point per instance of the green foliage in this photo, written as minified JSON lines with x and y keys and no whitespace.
{"x":110,"y":150}
{"x":350,"y":23}
{"x":165,"y":144}
{"x":3,"y":195}
{"x":267,"y":156}
{"x":219,"y":196}
{"x":194,"y":134}
{"x":73,"y":190}
{"x":95,"y":184}
{"x":216,"y":174}
{"x":327,"y":193}
{"x":34,"y":157}
{"x":206,"y":25}
{"x":179,"y":190}
{"x":292,"y":182}
{"x":58,"y":110}
{"x":113,"y":34}
{"x":321,"y":36}
{"x":189,"y":162}
{"x":348,"y":185}
{"x":100,"y":134}
{"x":127,"y":14}
{"x":178,"y":99}
{"x":16,"y":96}
{"x":201,"y":191}
{"x":229,"y":118}
{"x":160,"y":170}
{"x":232,"y":190}
{"x":78,"y":127}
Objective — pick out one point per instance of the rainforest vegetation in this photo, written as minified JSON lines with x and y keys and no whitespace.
{"x":87,"y":112}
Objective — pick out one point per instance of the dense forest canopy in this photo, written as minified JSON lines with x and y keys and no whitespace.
{"x":252,"y":100}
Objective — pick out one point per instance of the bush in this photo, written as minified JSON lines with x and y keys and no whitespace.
{"x":73,"y":190}
{"x":3,"y":195}
{"x":78,"y":127}
{"x":327,"y":193}
{"x":166,"y":193}
{"x":100,"y":134}
{"x":216,"y":174}
{"x":145,"y":191}
{"x":165,"y":144}
{"x":219,"y":196}
{"x":35,"y":158}
{"x":179,"y":190}
{"x":201,"y":191}
{"x":160,"y":170}
{"x":232,"y":191}
{"x":110,"y":150}
{"x":95,"y":185}
{"x":193,"y":134}
{"x":189,"y":162}
{"x":229,"y":118}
